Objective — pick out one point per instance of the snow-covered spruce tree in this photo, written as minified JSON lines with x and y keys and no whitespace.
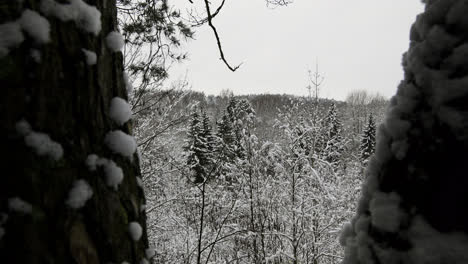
{"x":367,"y":146}
{"x":242,"y":116}
{"x":199,"y":148}
{"x":413,"y":204}
{"x":207,"y":135}
{"x":224,"y":147}
{"x":69,"y":192}
{"x":333,"y":145}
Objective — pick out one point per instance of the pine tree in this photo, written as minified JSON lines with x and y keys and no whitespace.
{"x":200,"y":147}
{"x":334,"y":140}
{"x":241,"y":115}
{"x":367,"y":146}
{"x":225,"y":140}
{"x":332,"y":123}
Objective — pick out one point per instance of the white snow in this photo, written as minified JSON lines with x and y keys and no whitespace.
{"x":44,"y":145}
{"x":18,"y":205}
{"x":429,"y":246}
{"x":431,"y":46}
{"x":10,"y":37}
{"x":385,"y":211}
{"x":92,"y":161}
{"x":120,"y":111}
{"x":114,"y":174}
{"x":36,"y":26}
{"x":79,"y":194}
{"x":31,"y":22}
{"x":90,"y":56}
{"x":139,"y":182}
{"x":85,"y":16}
{"x":40,"y":142}
{"x":150,"y":252}
{"x":135,"y":230}
{"x":121,"y":143}
{"x":115,"y":41}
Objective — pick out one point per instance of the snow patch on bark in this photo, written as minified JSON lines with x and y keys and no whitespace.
{"x":114,"y":174}
{"x":115,"y":41}
{"x":120,"y":111}
{"x":385,"y":211}
{"x":79,"y":194}
{"x":42,"y":144}
{"x":18,"y":205}
{"x":36,"y":26}
{"x":86,"y":17}
{"x":121,"y":143}
{"x":435,"y":74}
{"x":135,"y":231}
{"x":90,"y":56}
{"x":10,"y":37}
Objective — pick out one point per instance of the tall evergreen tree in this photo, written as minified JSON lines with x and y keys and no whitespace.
{"x":413,"y":204}
{"x":226,"y":140}
{"x":332,"y":123}
{"x":242,"y":116}
{"x":207,"y":134}
{"x":334,"y":142}
{"x":367,"y":146}
{"x":200,"y":147}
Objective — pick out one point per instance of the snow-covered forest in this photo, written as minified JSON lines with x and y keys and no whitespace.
{"x":106,"y":161}
{"x":256,"y":179}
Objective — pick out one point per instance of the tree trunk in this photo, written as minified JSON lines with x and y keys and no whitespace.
{"x":67,"y":99}
{"x":413,"y":205}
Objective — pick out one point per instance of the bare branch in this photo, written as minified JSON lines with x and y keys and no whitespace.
{"x":218,"y":41}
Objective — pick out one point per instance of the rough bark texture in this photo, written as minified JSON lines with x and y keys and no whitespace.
{"x":69,"y":100}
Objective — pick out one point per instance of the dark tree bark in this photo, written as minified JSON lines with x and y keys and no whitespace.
{"x":413,"y":204}
{"x":68,"y":100}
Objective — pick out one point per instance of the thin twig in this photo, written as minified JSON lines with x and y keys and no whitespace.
{"x":218,"y":41}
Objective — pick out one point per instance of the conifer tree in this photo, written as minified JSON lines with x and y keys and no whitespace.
{"x":195,"y":148}
{"x":225,"y":139}
{"x":200,"y":147}
{"x":241,"y":115}
{"x":367,"y":146}
{"x":334,"y":140}
{"x":413,"y":204}
{"x":207,"y":135}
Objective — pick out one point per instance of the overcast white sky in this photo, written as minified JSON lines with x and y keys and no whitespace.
{"x":358,"y":44}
